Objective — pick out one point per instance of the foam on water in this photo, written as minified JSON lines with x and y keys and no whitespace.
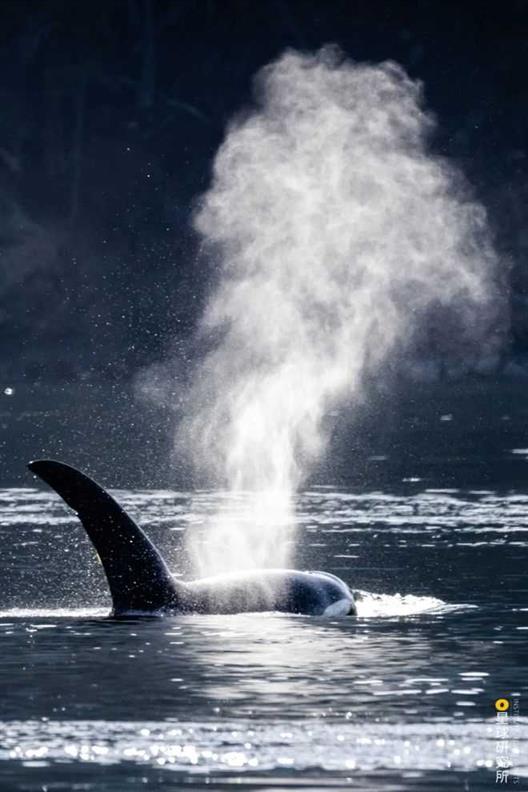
{"x":371,"y":605}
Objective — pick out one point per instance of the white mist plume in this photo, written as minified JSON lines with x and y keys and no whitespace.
{"x":334,"y":231}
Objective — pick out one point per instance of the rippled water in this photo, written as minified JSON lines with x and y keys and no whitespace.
{"x":399,"y":698}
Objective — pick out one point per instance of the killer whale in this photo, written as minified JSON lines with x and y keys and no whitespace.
{"x":141,"y":584}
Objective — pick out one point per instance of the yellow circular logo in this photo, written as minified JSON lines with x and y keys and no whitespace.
{"x":502,"y":705}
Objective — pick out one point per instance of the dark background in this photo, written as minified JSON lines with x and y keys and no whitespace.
{"x":111,"y":112}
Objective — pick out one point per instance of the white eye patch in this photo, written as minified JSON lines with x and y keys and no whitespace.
{"x":339,"y":608}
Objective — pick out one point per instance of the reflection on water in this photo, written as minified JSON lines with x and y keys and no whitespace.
{"x":394,"y":697}
{"x":270,"y":745}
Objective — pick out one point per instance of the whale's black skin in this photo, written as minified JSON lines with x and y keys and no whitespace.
{"x":140,"y":581}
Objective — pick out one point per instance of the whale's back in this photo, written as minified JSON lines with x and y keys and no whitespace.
{"x":283,"y":590}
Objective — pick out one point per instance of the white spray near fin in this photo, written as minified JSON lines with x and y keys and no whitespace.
{"x":333,"y":232}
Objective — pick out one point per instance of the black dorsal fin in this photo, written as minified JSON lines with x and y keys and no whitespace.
{"x":138,"y":577}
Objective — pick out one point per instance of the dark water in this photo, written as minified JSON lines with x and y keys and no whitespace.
{"x":401,"y":698}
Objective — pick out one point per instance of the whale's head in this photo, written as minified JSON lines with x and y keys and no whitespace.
{"x":335,"y":596}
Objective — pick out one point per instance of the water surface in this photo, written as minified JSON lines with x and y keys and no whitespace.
{"x":399,"y":698}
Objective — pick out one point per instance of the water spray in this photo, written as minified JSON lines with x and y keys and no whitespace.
{"x":333,"y":231}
